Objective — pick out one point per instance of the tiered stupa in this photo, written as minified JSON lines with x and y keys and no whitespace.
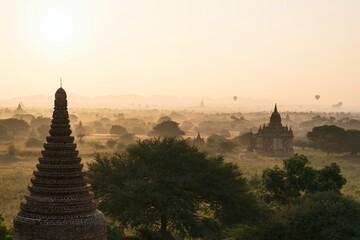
{"x":60,"y":205}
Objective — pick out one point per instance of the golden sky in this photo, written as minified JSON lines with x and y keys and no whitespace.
{"x":286,"y":51}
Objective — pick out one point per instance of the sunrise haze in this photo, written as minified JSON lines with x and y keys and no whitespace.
{"x":284,"y":51}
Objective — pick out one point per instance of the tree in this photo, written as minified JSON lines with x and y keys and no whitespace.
{"x":297,"y":177}
{"x":317,"y":216}
{"x":246,"y":139}
{"x":329,"y":138}
{"x":5,"y":232}
{"x":321,"y":216}
{"x":118,"y":130}
{"x":164,"y":118}
{"x":4,"y":133}
{"x":353,"y":141}
{"x":127,"y":138}
{"x":43,"y":130}
{"x":220,"y":144}
{"x":167,"y":129}
{"x":110,"y":143}
{"x":187,"y":125}
{"x":37,"y":122}
{"x":16,"y":126}
{"x":167,"y":186}
{"x":34,"y":142}
{"x":80,"y":132}
{"x":225,"y":133}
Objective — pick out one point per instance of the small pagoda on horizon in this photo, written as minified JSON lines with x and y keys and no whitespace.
{"x":60,"y":204}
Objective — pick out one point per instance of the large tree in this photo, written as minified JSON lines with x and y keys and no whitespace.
{"x":118,"y":130}
{"x":167,"y":186}
{"x":353,"y":141}
{"x":297,"y":177}
{"x":317,"y":216}
{"x":329,"y":138}
{"x":167,"y":129}
{"x":16,"y":126}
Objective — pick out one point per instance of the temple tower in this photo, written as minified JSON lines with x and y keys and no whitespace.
{"x":60,"y":204}
{"x":274,"y":137}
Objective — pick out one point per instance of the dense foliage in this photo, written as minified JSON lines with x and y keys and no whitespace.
{"x":5,"y":232}
{"x":297,"y":177}
{"x":317,"y":216}
{"x":333,"y":139}
{"x":165,"y":186}
{"x":118,"y":130}
{"x":167,"y":128}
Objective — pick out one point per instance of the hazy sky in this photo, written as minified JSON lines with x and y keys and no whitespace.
{"x":286,"y":51}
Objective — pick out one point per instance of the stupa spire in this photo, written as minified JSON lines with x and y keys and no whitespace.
{"x":60,"y":204}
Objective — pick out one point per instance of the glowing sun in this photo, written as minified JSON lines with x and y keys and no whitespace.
{"x":56,"y":27}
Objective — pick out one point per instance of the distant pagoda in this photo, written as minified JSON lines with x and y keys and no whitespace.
{"x":274,"y":138}
{"x":199,"y":141}
{"x":60,"y":205}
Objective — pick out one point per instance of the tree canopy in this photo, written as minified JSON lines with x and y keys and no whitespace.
{"x":15,"y":125}
{"x":118,"y":130}
{"x":297,"y":177}
{"x":317,"y":216}
{"x":167,"y":129}
{"x":168,"y":187}
{"x":333,"y":139}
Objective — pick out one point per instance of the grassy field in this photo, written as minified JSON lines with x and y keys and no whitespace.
{"x":15,"y":173}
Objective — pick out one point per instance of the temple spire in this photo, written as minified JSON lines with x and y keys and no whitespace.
{"x":60,"y":204}
{"x":275,"y":109}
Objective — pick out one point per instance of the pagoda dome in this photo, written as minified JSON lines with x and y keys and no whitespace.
{"x":275,"y":119}
{"x":60,"y":98}
{"x":60,"y":93}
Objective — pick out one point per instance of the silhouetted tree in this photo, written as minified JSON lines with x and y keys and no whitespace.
{"x":246,"y":139}
{"x":127,"y":138}
{"x":4,"y":133}
{"x":34,"y":142}
{"x":297,"y":177}
{"x":167,"y":129}
{"x":37,"y":122}
{"x":165,"y":185}
{"x":80,"y":132}
{"x":16,"y":126}
{"x":318,"y":216}
{"x":43,"y":131}
{"x":163,"y":119}
{"x":329,"y":138}
{"x":110,"y":143}
{"x":353,"y":142}
{"x":322,"y":216}
{"x":118,"y":130}
{"x":220,"y":144}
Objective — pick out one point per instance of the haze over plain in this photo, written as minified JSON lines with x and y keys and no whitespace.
{"x":284,"y":51}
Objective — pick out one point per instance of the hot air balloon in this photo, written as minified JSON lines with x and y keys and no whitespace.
{"x":317,"y":97}
{"x":338,"y":105}
{"x":235,"y":98}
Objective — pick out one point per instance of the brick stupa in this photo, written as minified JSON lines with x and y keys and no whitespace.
{"x":60,"y":204}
